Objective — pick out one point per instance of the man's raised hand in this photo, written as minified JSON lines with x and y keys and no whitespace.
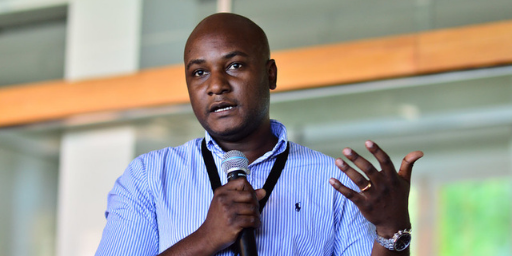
{"x":383,"y":199}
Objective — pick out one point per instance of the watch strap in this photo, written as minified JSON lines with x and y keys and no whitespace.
{"x":391,"y":243}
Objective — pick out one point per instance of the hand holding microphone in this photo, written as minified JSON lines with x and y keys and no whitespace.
{"x":234,"y":208}
{"x":234,"y":164}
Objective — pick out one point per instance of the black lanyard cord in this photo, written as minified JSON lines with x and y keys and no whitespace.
{"x":269,"y":183}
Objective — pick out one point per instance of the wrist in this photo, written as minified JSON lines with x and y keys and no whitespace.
{"x":389,"y":231}
{"x":197,"y":244}
{"x":389,"y":228}
{"x":209,"y":244}
{"x":399,"y":242}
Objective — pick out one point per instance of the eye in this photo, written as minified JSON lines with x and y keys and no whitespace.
{"x":198,"y":72}
{"x":235,"y":66}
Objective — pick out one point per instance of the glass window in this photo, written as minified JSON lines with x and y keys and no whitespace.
{"x":165,"y":28}
{"x":32,"y":45}
{"x":299,"y":23}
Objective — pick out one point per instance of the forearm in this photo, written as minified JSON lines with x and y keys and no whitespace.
{"x":232,"y":209}
{"x":379,"y":250}
{"x":196,"y":243}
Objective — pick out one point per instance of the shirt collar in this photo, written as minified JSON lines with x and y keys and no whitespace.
{"x":278,"y":129}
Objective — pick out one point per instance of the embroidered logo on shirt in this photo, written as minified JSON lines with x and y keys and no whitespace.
{"x":297,"y":207}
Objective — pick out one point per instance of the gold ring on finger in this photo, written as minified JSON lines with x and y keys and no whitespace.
{"x":367,"y":187}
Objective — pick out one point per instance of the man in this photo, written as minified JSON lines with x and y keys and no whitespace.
{"x":164,"y":202}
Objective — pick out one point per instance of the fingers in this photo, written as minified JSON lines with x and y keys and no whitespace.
{"x":388,"y":170}
{"x":242,"y":209}
{"x":240,"y":191}
{"x":385,"y":162}
{"x":239,"y":202}
{"x":234,"y":206}
{"x":246,"y":221}
{"x":347,"y":192}
{"x":354,"y":175}
{"x":260,"y":194}
{"x":365,"y":166}
{"x":407,"y":164}
{"x":240,"y":184}
{"x":377,"y":179}
{"x":384,"y":203}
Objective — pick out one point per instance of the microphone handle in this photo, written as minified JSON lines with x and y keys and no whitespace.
{"x":246,"y":241}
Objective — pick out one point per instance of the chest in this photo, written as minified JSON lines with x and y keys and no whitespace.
{"x":298,"y":211}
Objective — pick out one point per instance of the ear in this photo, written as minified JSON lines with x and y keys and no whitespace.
{"x":272,"y":74}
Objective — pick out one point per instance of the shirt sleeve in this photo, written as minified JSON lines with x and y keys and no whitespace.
{"x":131,"y":227}
{"x":354,"y":234}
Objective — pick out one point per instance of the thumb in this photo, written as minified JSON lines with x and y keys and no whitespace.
{"x":407,"y":163}
{"x":260,"y":193}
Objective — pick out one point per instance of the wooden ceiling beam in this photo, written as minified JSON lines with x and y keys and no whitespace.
{"x":318,"y":66}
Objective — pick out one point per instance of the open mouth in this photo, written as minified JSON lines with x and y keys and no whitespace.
{"x":222,"y":109}
{"x":216,"y":108}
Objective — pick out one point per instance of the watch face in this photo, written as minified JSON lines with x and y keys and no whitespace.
{"x":403,"y":242}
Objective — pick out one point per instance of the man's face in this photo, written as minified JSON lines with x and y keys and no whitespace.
{"x":228,"y":83}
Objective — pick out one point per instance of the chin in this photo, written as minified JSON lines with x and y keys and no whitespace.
{"x":228,"y":133}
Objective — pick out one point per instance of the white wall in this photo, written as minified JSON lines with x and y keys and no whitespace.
{"x":28,"y":200}
{"x":90,"y":162}
{"x":102,"y":38}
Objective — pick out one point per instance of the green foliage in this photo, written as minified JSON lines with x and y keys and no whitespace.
{"x":476,"y":218}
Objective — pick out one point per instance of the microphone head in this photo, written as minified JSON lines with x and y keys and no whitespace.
{"x":235,"y":160}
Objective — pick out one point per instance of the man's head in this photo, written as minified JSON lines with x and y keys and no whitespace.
{"x":229,"y":76}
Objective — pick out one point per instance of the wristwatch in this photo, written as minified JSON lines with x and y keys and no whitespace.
{"x":399,"y":242}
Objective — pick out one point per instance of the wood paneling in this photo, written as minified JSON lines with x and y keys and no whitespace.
{"x":466,"y":47}
{"x":60,"y":99}
{"x":345,"y":63}
{"x":406,"y":55}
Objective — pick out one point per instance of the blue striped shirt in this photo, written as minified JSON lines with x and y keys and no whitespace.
{"x":163,"y":196}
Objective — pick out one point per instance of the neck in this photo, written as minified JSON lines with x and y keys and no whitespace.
{"x":253,"y":146}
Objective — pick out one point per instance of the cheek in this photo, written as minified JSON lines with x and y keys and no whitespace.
{"x":197,"y":105}
{"x":262,"y":94}
{"x":257,"y":101}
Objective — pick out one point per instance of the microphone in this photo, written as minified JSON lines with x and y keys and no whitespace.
{"x":234,"y":164}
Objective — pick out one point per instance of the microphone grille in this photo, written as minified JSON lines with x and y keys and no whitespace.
{"x":234,"y":160}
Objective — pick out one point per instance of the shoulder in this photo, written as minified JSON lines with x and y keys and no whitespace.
{"x":305,"y":155}
{"x":157,"y":164}
{"x":158,"y":167}
{"x":310,"y":164}
{"x":316,"y":164}
{"x":162,"y":156}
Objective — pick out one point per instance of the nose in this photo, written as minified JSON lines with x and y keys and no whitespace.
{"x":218,"y":83}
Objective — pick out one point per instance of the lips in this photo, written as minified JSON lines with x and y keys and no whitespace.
{"x":221,"y":106}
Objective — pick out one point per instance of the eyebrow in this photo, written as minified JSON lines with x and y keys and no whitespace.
{"x":196,"y":61}
{"x":227,"y":56}
{"x":234,"y":53}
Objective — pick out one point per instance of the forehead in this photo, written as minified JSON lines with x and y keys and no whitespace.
{"x":211,"y":44}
